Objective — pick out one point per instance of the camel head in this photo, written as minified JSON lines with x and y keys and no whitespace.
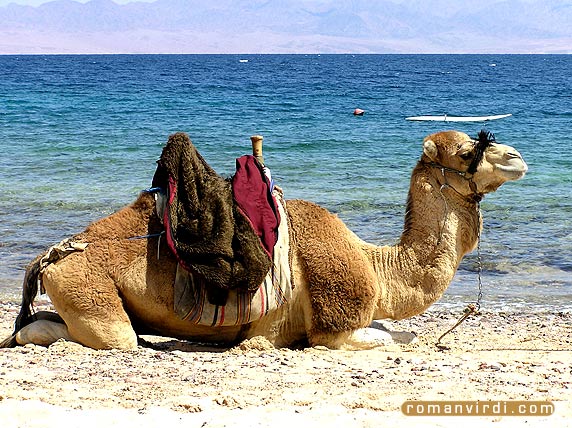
{"x":472,"y":167}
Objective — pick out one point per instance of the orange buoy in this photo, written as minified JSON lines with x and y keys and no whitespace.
{"x":359,"y":112}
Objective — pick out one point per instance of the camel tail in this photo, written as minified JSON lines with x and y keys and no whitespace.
{"x":29,"y":293}
{"x":9,"y":342}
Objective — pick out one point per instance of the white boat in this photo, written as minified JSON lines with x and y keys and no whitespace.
{"x":446,"y":118}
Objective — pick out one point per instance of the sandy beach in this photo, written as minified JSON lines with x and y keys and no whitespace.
{"x":491,"y":357}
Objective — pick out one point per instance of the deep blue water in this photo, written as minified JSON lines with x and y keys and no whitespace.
{"x":79,"y":137}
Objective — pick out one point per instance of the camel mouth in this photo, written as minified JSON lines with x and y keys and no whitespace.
{"x":514,"y":170}
{"x":510,"y":163}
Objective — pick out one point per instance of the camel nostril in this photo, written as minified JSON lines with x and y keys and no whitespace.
{"x":513,"y":155}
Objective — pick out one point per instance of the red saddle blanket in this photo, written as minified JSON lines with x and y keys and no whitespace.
{"x":252,"y":191}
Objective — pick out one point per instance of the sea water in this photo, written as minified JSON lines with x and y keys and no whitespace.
{"x":80,"y":135}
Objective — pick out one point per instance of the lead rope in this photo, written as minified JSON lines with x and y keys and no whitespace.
{"x":472,"y":308}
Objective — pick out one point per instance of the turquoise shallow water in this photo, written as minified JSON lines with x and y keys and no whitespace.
{"x":80,"y":135}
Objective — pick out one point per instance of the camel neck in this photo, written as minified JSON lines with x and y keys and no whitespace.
{"x":440,"y":228}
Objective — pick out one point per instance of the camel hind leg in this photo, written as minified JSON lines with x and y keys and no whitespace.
{"x":47,"y":328}
{"x":89,"y":303}
{"x":44,"y":329}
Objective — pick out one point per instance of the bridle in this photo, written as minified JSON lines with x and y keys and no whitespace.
{"x":483,"y":141}
{"x":474,"y":197}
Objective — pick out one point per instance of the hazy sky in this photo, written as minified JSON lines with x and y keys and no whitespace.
{"x":462,"y":26}
{"x":39,"y":2}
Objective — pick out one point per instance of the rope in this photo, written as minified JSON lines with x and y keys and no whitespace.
{"x":467,"y":312}
{"x":472,"y":308}
{"x":152,"y":235}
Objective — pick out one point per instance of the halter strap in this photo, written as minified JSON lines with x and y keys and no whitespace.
{"x":475,"y":197}
{"x":483,"y":141}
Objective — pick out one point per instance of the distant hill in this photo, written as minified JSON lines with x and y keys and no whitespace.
{"x":288,"y":26}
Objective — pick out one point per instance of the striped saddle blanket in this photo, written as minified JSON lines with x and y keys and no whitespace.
{"x":241,"y":307}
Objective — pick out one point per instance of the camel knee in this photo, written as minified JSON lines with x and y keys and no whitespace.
{"x":104,"y":335}
{"x":329,"y":339}
{"x":42,"y":332}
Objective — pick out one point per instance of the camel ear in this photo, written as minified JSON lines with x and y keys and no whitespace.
{"x":430,"y":149}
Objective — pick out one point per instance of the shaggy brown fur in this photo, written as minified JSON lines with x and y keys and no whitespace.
{"x":340,"y":278}
{"x":211,"y":236}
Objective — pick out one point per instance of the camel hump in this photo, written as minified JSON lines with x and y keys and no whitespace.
{"x":300,"y":206}
{"x":315,"y":222}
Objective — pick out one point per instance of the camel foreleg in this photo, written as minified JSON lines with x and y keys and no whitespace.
{"x":376,"y":335}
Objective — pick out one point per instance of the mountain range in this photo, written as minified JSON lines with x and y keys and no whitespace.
{"x":288,"y":26}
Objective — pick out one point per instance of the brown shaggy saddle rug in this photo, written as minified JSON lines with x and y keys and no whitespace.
{"x":210,"y":223}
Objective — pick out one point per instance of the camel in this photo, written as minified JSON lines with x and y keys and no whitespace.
{"x":117,"y":288}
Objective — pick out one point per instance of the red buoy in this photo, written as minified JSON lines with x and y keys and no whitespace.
{"x":359,"y":112}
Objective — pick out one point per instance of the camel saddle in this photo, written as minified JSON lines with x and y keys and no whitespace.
{"x":220,"y":230}
{"x":190,"y":301}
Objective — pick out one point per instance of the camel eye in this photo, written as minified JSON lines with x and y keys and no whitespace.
{"x":466,"y":156}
